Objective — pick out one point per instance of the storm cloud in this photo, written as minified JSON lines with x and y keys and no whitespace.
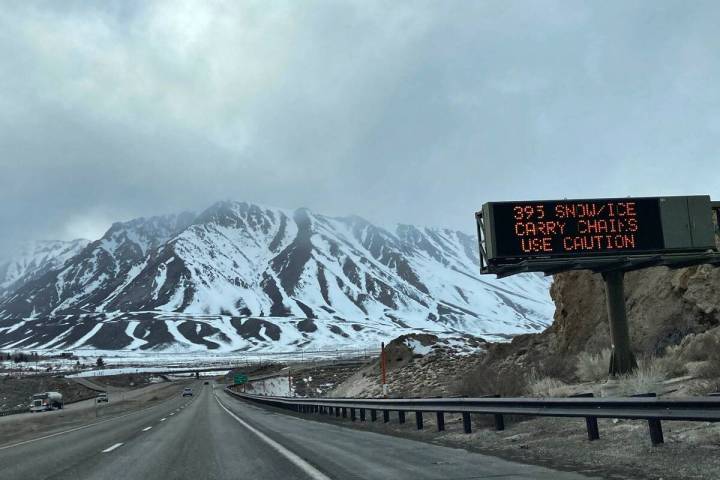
{"x":412,"y":112}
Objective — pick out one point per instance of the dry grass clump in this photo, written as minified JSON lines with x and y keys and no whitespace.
{"x":647,"y":378}
{"x":593,"y":367}
{"x":539,"y":386}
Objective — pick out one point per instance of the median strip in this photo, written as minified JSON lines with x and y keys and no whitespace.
{"x":110,"y":449}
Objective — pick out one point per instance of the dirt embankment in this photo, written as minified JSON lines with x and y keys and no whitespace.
{"x":16,"y":392}
{"x":416,"y":366}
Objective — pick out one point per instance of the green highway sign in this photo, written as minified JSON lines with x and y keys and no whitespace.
{"x":240,"y":378}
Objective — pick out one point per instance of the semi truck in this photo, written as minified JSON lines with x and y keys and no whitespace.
{"x":46,"y":401}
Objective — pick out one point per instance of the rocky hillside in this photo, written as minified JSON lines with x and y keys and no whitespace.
{"x":663,"y":306}
{"x":239,"y":271}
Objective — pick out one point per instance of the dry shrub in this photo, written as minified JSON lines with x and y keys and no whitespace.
{"x":672,"y":362}
{"x":703,"y":387}
{"x":711,"y":368}
{"x":699,"y":347}
{"x":557,"y":366}
{"x":489,"y":380}
{"x":647,"y":378}
{"x":546,"y":386}
{"x":593,"y":367}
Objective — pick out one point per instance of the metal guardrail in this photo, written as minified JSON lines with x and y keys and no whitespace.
{"x":649,"y":408}
{"x":5,"y":413}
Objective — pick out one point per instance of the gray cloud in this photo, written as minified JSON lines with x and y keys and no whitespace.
{"x":400,"y":112}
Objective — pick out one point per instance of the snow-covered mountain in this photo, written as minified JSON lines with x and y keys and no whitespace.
{"x":36,"y":259}
{"x":241,"y":275}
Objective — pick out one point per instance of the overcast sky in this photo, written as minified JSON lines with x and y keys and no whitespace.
{"x":411,"y":112}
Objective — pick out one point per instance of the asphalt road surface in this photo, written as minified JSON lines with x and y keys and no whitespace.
{"x":215,"y":436}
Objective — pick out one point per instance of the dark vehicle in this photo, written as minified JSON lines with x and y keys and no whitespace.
{"x":102,"y":397}
{"x":187,"y":392}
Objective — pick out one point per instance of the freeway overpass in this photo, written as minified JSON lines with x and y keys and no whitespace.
{"x":180,"y":370}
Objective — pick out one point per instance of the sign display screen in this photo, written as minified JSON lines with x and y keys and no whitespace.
{"x":569,"y":228}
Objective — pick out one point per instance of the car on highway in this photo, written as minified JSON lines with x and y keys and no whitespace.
{"x":102,"y":397}
{"x":187,"y":392}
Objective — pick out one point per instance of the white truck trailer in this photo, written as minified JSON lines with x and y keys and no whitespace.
{"x":46,"y":401}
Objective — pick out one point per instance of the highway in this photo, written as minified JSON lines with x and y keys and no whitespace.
{"x":215,"y":436}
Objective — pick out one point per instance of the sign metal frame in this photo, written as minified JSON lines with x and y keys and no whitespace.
{"x":598,"y":263}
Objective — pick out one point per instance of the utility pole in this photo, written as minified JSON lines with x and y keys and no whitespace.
{"x":622,"y":359}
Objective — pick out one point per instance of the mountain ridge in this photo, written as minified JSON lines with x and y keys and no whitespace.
{"x":238,"y":260}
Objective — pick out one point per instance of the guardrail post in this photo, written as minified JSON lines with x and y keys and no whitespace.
{"x":344,"y":412}
{"x":654,"y":425}
{"x":386,"y":416}
{"x":373,"y":415}
{"x":352,"y":414}
{"x":590,"y":422}
{"x":362,"y":414}
{"x":592,"y":428}
{"x":498,"y":417}
{"x":401,"y":416}
{"x":467,"y":426}
{"x":499,"y":422}
{"x":337,"y":411}
{"x":440,"y":421}
{"x":656,"y":433}
{"x":419,"y":420}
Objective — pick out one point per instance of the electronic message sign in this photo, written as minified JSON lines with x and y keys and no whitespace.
{"x":514,"y":231}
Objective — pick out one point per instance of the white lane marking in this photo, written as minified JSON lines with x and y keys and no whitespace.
{"x":82,"y":427}
{"x":163,"y":419}
{"x":172,"y":413}
{"x":311,"y":471}
{"x":110,"y":449}
{"x":146,"y":429}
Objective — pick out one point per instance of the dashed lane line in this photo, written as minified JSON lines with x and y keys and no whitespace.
{"x":146,"y":429}
{"x":110,"y":449}
{"x":311,"y":471}
{"x":163,"y":419}
{"x":82,"y":427}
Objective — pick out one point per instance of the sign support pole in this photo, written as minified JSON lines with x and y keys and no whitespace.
{"x":622,"y":359}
